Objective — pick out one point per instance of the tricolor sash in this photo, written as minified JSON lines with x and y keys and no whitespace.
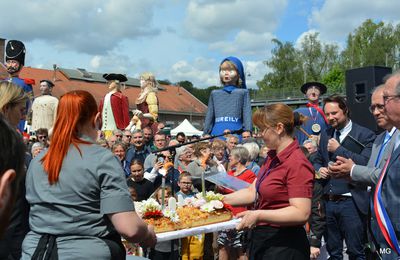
{"x":382,"y":217}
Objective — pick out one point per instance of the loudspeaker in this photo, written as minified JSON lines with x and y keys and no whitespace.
{"x":359,"y":85}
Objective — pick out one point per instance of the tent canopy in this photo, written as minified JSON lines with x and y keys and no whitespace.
{"x":187,"y":128}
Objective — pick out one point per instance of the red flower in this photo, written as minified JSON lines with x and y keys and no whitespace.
{"x":153,"y":214}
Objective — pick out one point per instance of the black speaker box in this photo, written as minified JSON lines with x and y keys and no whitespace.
{"x":359,"y":85}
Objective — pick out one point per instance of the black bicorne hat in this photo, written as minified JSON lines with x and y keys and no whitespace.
{"x":322,"y":87}
{"x":15,"y":50}
{"x":114,"y":76}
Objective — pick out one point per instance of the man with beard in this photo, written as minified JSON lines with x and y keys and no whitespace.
{"x":345,"y":202}
{"x":15,"y":61}
{"x":317,"y":121}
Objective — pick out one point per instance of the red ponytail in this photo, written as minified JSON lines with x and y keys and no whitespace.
{"x":75,"y":109}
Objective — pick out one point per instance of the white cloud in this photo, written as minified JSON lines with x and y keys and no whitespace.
{"x":214,"y":21}
{"x":119,"y":63}
{"x":201,"y":72}
{"x":255,"y":71}
{"x":83,"y":25}
{"x":337,"y":18}
{"x":246,"y":43}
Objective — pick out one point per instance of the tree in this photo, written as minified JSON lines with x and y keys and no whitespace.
{"x":186,"y":85}
{"x":164,"y":82}
{"x":334,"y":80}
{"x":317,"y":58}
{"x":285,"y":68}
{"x":372,"y":44}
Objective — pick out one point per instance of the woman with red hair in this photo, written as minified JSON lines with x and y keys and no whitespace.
{"x":78,"y":196}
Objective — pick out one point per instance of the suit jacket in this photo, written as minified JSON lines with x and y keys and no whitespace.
{"x":390,"y":192}
{"x":369,"y":174}
{"x":360,"y":152}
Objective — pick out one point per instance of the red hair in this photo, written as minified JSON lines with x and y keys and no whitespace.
{"x":75,"y":109}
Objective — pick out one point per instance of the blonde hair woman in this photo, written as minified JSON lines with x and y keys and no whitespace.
{"x":12,"y":102}
{"x":147,"y":102}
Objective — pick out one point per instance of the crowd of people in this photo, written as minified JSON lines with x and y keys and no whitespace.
{"x":314,"y":176}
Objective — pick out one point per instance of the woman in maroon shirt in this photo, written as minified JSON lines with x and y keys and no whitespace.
{"x":281,"y":193}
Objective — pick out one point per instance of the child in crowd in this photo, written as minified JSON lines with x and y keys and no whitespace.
{"x":144,"y":188}
{"x":193,"y":246}
{"x":185,"y":185}
{"x":162,"y":250}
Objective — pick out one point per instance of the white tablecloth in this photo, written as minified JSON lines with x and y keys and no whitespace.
{"x":197,"y":230}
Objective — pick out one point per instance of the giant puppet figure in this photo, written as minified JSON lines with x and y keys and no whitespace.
{"x":114,"y":107}
{"x":147,"y":101}
{"x":15,"y":61}
{"x":317,"y":121}
{"x":229,"y":108}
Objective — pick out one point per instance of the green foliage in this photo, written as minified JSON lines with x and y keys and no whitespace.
{"x":285,"y":67}
{"x":334,"y":80}
{"x":371,"y":44}
{"x":199,"y":93}
{"x":164,"y":82}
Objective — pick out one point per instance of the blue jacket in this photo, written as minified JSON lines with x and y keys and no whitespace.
{"x":363,"y":135}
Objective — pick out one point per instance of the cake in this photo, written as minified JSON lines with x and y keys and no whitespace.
{"x":191,"y":212}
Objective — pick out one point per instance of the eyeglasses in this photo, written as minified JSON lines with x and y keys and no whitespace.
{"x":186,"y":183}
{"x":387,"y":98}
{"x":380,"y":108}
{"x":128,"y":136}
{"x":42,"y":137}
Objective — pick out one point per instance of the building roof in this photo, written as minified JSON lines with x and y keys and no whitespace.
{"x":172,"y":99}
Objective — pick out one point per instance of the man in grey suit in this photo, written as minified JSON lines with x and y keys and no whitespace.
{"x":381,"y":149}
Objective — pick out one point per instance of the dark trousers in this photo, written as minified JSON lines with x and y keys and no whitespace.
{"x":344,"y":221}
{"x":288,"y":243}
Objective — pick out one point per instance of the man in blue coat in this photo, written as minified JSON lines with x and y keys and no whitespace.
{"x":346,"y":203}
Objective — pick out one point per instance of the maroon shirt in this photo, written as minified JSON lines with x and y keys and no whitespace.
{"x":283,"y":176}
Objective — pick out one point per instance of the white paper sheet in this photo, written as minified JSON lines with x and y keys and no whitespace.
{"x":197,"y":230}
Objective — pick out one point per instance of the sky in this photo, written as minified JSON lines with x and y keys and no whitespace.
{"x":177,"y":39}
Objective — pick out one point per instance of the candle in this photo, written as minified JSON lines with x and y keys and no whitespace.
{"x":163,"y":193}
{"x":172,"y":204}
{"x":181,"y":201}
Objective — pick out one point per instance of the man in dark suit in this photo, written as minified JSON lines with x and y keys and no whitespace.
{"x":390,"y":184}
{"x":381,"y":149}
{"x":346,"y":203}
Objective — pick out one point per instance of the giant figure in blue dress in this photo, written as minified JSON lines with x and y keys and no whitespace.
{"x":229,"y":108}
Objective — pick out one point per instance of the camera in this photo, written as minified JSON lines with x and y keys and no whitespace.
{"x":160,"y":158}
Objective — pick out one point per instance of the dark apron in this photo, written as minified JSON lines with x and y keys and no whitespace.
{"x":47,"y":247}
{"x":270,"y":243}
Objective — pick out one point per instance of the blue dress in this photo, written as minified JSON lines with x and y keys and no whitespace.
{"x":230,"y":107}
